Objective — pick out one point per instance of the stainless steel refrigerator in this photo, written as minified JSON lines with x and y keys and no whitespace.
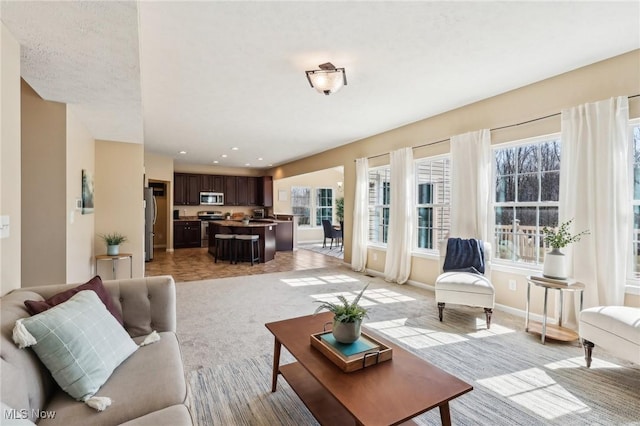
{"x":150,"y":215}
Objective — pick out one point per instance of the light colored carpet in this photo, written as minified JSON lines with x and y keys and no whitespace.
{"x":516,"y":380}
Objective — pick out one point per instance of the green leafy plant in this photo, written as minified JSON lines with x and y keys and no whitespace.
{"x":340,"y":209}
{"x":345,"y":311}
{"x":561,"y":237}
{"x":113,"y":239}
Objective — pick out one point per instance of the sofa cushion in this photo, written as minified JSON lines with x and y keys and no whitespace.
{"x":36,"y":306}
{"x":80,"y":343}
{"x":149,"y":380}
{"x":22,"y":372}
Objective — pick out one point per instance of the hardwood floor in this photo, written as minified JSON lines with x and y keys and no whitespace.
{"x":195,"y":264}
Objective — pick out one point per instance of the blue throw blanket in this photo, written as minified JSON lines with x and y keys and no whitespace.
{"x":464,"y":255}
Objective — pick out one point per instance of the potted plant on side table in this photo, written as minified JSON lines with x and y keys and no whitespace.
{"x":347,"y":317}
{"x":113,"y":242}
{"x":554,"y":261}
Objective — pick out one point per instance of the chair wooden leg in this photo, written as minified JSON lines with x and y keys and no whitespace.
{"x":588,"y":349}
{"x":488,"y":312}
{"x":440,"y":309}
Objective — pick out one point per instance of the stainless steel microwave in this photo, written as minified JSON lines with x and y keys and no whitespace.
{"x":212,"y":198}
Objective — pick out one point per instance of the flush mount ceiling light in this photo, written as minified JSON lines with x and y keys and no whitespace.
{"x":328,"y":79}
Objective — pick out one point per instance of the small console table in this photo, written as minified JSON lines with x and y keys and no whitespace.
{"x":556,"y":332}
{"x":114,"y":262}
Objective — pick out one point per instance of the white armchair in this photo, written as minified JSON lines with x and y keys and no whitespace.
{"x":615,"y":328}
{"x":465,"y":288}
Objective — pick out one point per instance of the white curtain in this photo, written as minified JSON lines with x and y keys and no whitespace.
{"x":594,"y":190}
{"x":360,"y":235}
{"x":470,"y":184}
{"x":397,"y":267}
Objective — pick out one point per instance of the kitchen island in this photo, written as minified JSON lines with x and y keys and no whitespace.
{"x":265,"y":228}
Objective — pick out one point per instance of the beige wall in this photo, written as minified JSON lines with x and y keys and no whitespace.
{"x":80,"y":153}
{"x":613,"y":77}
{"x":43,"y":148}
{"x":328,"y":178}
{"x":118,"y":201}
{"x":10,"y":204}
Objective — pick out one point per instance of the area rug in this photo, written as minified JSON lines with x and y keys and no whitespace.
{"x":317,"y":247}
{"x":516,"y":379}
{"x":240,"y":394}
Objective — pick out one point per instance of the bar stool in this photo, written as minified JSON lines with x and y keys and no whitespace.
{"x":254,"y":246}
{"x":225,"y":242}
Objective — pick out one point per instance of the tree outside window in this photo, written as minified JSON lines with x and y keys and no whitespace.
{"x":301,"y":204}
{"x":527,"y":187}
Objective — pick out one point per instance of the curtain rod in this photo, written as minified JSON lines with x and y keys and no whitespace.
{"x":491,"y":130}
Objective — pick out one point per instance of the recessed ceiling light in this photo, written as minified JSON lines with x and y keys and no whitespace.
{"x":224,"y":156}
{"x":259,"y":158}
{"x":270,"y":165}
{"x":182,"y":152}
{"x":215,"y":161}
{"x":235,"y":148}
{"x":247,"y":164}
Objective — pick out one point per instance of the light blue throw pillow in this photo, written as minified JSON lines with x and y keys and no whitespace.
{"x":79,"y":341}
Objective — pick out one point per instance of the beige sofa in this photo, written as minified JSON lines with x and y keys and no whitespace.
{"x":149,"y":388}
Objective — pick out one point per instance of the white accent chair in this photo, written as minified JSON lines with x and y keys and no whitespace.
{"x":465,"y":288}
{"x":615,"y":328}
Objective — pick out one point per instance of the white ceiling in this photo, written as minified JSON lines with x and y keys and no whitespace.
{"x":205,"y":77}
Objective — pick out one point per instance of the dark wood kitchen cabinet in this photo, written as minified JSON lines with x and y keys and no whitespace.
{"x":242,"y":194}
{"x":186,"y":189}
{"x":186,"y":233}
{"x":265,"y":191}
{"x":231,"y":190}
{"x":253,"y":190}
{"x":211,"y":183}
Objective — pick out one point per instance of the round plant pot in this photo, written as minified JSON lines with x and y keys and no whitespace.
{"x":555,"y":265}
{"x":113,"y":250}
{"x":346,"y":332}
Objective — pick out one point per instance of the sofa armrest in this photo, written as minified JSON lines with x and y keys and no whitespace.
{"x":147,"y":304}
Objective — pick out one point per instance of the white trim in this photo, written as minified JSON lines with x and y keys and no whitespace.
{"x":377,"y":246}
{"x":527,"y":141}
{"x":632,"y":289}
{"x":520,"y":268}
{"x":425,"y":254}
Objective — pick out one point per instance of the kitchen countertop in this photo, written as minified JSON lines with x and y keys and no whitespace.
{"x":255,"y":223}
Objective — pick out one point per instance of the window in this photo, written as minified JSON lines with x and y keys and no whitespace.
{"x":379,"y":201}
{"x":635,"y":202}
{"x":301,"y":204}
{"x":324,"y":205}
{"x":527,"y":185}
{"x":433,"y":201}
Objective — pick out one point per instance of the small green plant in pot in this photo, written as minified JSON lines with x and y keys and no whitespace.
{"x":347,"y":317}
{"x":113,"y":242}
{"x":554,"y":261}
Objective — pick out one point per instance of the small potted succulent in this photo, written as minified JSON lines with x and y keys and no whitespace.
{"x":246,"y":219}
{"x":347,"y":317}
{"x":113,"y":242}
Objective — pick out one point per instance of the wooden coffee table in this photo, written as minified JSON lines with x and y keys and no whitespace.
{"x":389,"y":393}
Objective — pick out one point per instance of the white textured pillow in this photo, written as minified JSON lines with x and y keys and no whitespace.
{"x":79,"y":341}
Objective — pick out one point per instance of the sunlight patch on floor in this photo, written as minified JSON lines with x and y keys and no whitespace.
{"x":495,"y":330}
{"x":536,"y":391}
{"x":339,"y":279}
{"x":386,"y":296}
{"x":414,"y":337}
{"x":301,"y":282}
{"x":579,"y":362}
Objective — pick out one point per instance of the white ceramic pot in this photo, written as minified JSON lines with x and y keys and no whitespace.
{"x":346,"y":332}
{"x":555,"y":265}
{"x":113,"y":250}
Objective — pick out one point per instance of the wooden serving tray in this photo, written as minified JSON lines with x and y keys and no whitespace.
{"x":357,"y":361}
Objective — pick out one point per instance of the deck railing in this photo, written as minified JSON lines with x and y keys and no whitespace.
{"x":520,"y":243}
